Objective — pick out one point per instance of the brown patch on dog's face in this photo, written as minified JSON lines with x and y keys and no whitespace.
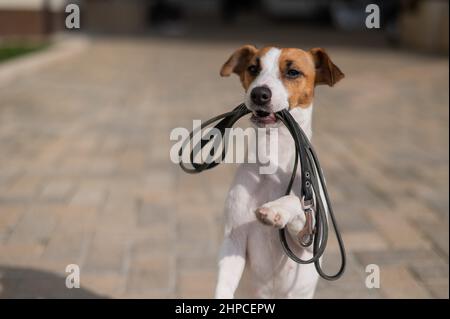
{"x":297,"y":72}
{"x":253,"y":67}
{"x":238,"y":63}
{"x":246,"y":63}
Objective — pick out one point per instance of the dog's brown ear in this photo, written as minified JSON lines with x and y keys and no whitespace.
{"x":326,"y":71}
{"x":238,"y":60}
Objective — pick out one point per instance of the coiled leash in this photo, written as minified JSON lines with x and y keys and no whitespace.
{"x":312,"y":183}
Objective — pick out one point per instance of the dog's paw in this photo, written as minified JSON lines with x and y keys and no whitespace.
{"x":271,"y":217}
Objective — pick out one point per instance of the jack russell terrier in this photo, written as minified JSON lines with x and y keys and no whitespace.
{"x":273,"y":79}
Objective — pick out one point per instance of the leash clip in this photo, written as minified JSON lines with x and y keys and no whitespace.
{"x":305,"y":236}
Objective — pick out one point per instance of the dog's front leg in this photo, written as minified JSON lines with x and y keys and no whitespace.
{"x":231,"y":264}
{"x":286,"y":212}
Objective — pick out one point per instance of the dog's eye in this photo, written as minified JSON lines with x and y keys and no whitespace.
{"x":253,"y":70}
{"x":292,"y":73}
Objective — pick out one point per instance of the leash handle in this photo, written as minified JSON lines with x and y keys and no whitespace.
{"x":227,"y":120}
{"x":312,"y":183}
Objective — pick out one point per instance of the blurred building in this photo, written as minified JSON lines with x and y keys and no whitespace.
{"x":424,"y":25}
{"x":420,"y":24}
{"x":20,"y":18}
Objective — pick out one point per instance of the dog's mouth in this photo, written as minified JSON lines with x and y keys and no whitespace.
{"x":263,"y":117}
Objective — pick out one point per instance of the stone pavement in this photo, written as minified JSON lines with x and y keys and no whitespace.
{"x":85,"y":176}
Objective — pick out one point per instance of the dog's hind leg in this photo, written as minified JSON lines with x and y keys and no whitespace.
{"x":231,"y":264}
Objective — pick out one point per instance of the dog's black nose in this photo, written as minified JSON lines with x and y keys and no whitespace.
{"x":261,"y":95}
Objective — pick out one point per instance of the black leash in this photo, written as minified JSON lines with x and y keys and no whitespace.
{"x":312,"y":184}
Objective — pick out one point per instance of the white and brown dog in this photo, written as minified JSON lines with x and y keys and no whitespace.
{"x":273,"y":79}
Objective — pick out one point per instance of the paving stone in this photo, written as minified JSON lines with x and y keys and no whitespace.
{"x":189,"y":262}
{"x":67,"y":245}
{"x":149,"y":213}
{"x":330,"y":291}
{"x":24,"y":188}
{"x":437,"y":232}
{"x":194,"y":239}
{"x":398,"y":282}
{"x":438,"y":290}
{"x":361,"y":241}
{"x":88,"y":197}
{"x":400,"y":257}
{"x":151,"y":273}
{"x":36,"y":226}
{"x":196,"y":284}
{"x":153,"y":241}
{"x":106,"y":284}
{"x":57,"y":190}
{"x":76,"y":218}
{"x":9,"y":217}
{"x":107,"y":253}
{"x":20,"y":253}
{"x":434,"y":277}
{"x":415,"y":210}
{"x":398,"y":231}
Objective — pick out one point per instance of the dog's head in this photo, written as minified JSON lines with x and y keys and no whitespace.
{"x":276,"y":79}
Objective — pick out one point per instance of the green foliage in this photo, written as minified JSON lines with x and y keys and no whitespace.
{"x":11,"y":51}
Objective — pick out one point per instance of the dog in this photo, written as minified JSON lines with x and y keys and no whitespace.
{"x":273,"y":79}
